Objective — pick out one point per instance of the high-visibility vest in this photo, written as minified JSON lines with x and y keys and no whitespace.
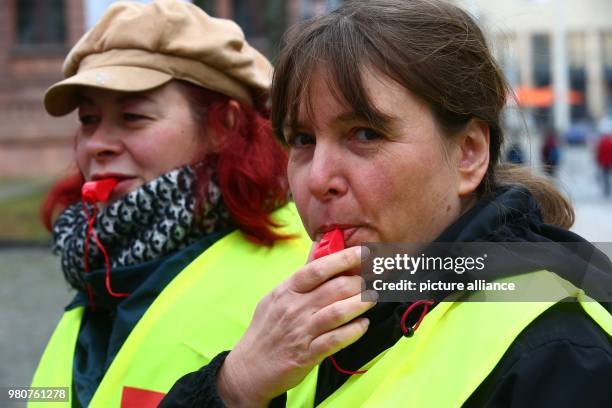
{"x":204,"y":310}
{"x":454,"y":349}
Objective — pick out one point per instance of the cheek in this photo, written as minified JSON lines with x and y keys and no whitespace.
{"x":307,"y":205}
{"x":404,"y":198}
{"x":166,"y":149}
{"x":200,"y":146}
{"x":194,"y":142}
{"x":297,"y":184}
{"x":374,"y":188}
{"x":81,"y":158}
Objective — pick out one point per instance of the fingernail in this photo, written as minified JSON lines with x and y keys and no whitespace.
{"x":364,"y":252}
{"x":370,"y":296}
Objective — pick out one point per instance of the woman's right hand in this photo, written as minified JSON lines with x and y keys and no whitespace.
{"x":308,"y":317}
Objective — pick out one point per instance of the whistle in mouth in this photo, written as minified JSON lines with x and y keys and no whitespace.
{"x":332,"y":241}
{"x":98,"y":190}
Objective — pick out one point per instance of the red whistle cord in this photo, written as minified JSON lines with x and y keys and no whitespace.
{"x":333,"y":241}
{"x":408,"y":331}
{"x":91,"y":218}
{"x":342,"y":370}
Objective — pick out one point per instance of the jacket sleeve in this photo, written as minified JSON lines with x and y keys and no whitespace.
{"x":558,"y":375}
{"x":199,"y":389}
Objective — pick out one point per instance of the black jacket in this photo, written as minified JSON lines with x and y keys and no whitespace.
{"x":104,"y":329}
{"x":562,"y":358}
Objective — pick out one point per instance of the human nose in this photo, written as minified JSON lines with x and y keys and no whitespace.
{"x":104,"y":142}
{"x":326,"y":178}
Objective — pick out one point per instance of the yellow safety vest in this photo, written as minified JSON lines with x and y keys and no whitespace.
{"x":203,"y":311}
{"x":455,"y":348}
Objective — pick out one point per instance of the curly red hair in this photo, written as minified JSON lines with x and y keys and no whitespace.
{"x":251,"y":167}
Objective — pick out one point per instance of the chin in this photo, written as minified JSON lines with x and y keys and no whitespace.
{"x":125,"y":187}
{"x":360,"y":237}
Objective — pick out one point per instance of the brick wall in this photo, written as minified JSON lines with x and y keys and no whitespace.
{"x":31,"y":142}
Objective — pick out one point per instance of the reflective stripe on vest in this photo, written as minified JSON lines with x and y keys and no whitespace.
{"x":203,"y":311}
{"x":456,"y":346}
{"x":55,"y":366}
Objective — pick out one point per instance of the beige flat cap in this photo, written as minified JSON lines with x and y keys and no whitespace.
{"x":136,"y":47}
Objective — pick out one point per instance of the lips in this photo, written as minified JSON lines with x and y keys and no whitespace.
{"x":118,"y":176}
{"x":126,"y":183}
{"x":348,"y":230}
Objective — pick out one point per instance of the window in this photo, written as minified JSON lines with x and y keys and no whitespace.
{"x":250,"y":16}
{"x":504,"y":48}
{"x":541,"y":59}
{"x":542,"y":75}
{"x":607,"y":58}
{"x":263,"y":22}
{"x":207,"y":5}
{"x":607,"y":50}
{"x":577,"y":72}
{"x":576,"y":45}
{"x":40,"y":22}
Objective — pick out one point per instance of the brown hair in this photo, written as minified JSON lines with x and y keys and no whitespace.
{"x":434,"y":49}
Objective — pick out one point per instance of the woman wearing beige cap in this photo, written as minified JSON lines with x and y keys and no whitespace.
{"x":177,"y":209}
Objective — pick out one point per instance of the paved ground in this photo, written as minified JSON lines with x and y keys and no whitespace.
{"x":32,"y":297}
{"x":33,"y":292}
{"x":580,"y":178}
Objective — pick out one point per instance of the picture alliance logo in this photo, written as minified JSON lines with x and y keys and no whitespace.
{"x":414,"y":264}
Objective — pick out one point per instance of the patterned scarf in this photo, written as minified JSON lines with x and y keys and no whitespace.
{"x":146,"y":224}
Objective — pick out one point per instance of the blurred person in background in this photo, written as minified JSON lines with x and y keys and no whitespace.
{"x":604,"y":160}
{"x":515,"y":154}
{"x":391,"y":113}
{"x":551,"y":154}
{"x":173,"y":113}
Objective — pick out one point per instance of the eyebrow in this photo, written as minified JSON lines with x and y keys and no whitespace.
{"x":380,"y":120}
{"x":136,"y":98}
{"x":84,"y":99}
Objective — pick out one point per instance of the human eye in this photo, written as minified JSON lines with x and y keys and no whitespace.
{"x":300,"y":139}
{"x":131,"y":117}
{"x":365,"y":135}
{"x":88,"y":120}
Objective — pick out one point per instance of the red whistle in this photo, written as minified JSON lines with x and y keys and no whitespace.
{"x":332,"y":241}
{"x":98,"y":190}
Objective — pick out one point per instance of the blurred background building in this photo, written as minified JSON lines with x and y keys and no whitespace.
{"x":34,"y":38}
{"x":548,"y":49}
{"x":557,"y":55}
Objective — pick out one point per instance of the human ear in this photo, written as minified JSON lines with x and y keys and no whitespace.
{"x":473,"y":151}
{"x":232,"y":110}
{"x":229,"y":120}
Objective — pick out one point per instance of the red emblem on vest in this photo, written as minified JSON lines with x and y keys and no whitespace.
{"x":140,"y":398}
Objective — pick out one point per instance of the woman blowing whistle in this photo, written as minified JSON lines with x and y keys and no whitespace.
{"x":390,"y":110}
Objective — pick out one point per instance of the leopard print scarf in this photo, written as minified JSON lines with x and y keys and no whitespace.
{"x":146,"y":224}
